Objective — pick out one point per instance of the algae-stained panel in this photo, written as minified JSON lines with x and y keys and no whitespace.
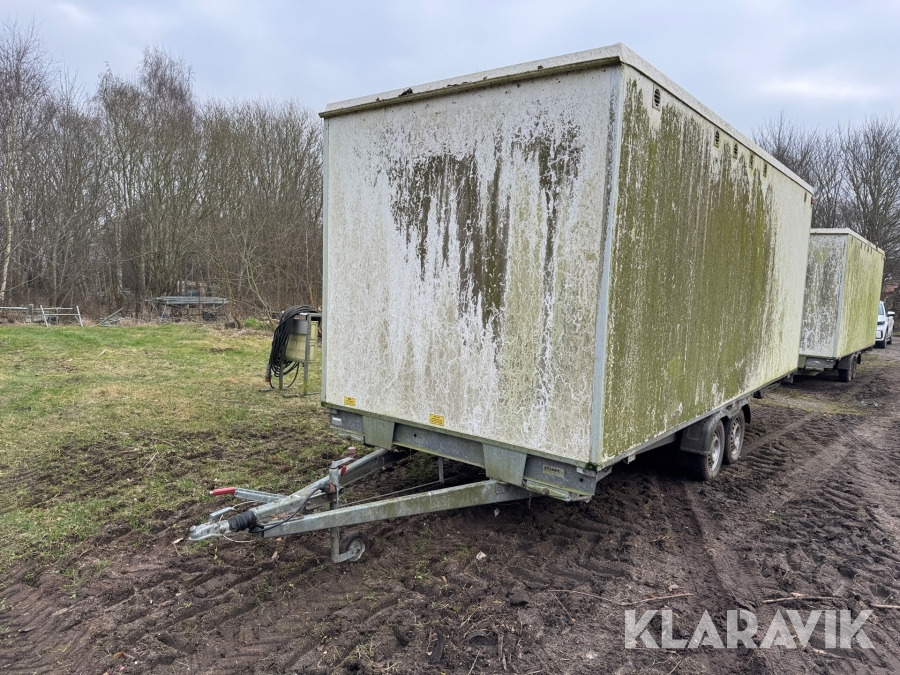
{"x":822,"y":301}
{"x":464,"y":243}
{"x":706,"y":273}
{"x":862,"y":291}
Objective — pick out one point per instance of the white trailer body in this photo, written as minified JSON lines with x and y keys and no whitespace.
{"x":843,"y":288}
{"x":570,"y":259}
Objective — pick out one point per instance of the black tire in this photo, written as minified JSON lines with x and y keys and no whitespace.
{"x":847,"y":374}
{"x":881,"y":345}
{"x":734,"y":438}
{"x":708,"y":465}
{"x":356,"y":544}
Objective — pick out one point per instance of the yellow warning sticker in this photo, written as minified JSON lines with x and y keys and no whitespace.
{"x":436,"y":420}
{"x":349,"y":401}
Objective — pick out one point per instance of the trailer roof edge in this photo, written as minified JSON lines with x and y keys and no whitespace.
{"x":845,"y":230}
{"x":617,"y":53}
{"x":577,"y":61}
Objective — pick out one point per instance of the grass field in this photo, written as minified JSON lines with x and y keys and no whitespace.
{"x":124,"y":427}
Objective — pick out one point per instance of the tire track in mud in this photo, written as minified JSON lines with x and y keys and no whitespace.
{"x":755,"y":441}
{"x":830,"y":542}
{"x":182,"y":598}
{"x":711,"y":528}
{"x":33,"y":642}
{"x":820,"y":534}
{"x":812,"y":508}
{"x":777,"y":472}
{"x":720,"y":578}
{"x":855,"y":491}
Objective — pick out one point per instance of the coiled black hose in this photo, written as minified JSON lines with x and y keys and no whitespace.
{"x":278,"y":365}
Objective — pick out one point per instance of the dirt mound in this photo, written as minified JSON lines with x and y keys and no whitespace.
{"x":809,"y":519}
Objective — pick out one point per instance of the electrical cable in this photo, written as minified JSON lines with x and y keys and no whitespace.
{"x":278,"y":365}
{"x":272,"y":526}
{"x":248,"y":520}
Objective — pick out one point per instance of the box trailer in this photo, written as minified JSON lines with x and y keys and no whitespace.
{"x":547,"y":269}
{"x":840,"y":307}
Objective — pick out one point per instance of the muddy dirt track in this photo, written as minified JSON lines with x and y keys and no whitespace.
{"x":809,"y":518}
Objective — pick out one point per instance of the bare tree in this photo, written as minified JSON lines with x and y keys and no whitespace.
{"x":816,"y":158}
{"x":790,"y":144}
{"x":124,"y":138}
{"x":67,"y":199}
{"x":25,"y":85}
{"x":871,"y":162}
{"x":122,"y":195}
{"x":262,"y":230}
{"x":173,"y":169}
{"x":152,"y":146}
{"x":828,"y":181}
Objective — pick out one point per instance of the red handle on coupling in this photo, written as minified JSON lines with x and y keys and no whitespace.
{"x":222,"y":491}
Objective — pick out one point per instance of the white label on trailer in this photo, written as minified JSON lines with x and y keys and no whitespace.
{"x":554,"y":471}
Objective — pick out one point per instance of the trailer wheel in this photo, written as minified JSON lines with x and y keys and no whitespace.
{"x":734,"y":439}
{"x":846,"y":374}
{"x":356,"y":546}
{"x":708,"y":465}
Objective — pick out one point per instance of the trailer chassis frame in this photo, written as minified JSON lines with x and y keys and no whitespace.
{"x":511,"y":474}
{"x":317,"y":505}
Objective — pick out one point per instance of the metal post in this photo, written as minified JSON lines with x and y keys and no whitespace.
{"x":335,"y":544}
{"x":306,"y":356}
{"x":335,"y":534}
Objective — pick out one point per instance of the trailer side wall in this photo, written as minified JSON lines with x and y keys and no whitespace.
{"x":544,"y":258}
{"x":465,"y":244}
{"x":706,"y":276}
{"x":862,"y":292}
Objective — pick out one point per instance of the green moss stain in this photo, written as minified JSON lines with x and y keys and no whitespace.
{"x":557,"y":158}
{"x":453,"y":198}
{"x":821,"y":301}
{"x":692,"y":287}
{"x":445,"y":192}
{"x":862,"y":291}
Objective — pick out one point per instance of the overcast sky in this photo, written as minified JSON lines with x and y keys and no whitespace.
{"x":820,"y":61}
